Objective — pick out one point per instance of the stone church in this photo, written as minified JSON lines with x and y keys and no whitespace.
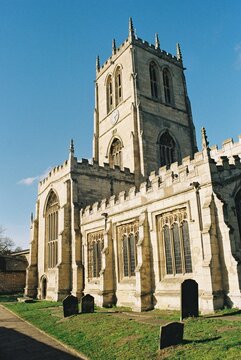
{"x":150,"y":210}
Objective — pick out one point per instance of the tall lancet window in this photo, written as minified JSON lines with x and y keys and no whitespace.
{"x":175,"y":243}
{"x":95,"y":243}
{"x":167,"y":82}
{"x":238,"y":210}
{"x":51,"y":229}
{"x":153,"y":80}
{"x":127,"y":237}
{"x":118,"y":86}
{"x":168,"y":151}
{"x":115,"y":157}
{"x":109,"y":94}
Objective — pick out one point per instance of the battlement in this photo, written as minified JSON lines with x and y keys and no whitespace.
{"x":163,"y":179}
{"x":88,"y":167}
{"x":177,"y":178}
{"x":229,"y":148}
{"x":142,"y":44}
{"x":59,"y":169}
{"x":229,"y":163}
{"x":157,"y":51}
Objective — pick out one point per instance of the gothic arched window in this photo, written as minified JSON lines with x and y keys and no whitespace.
{"x":118,"y":86}
{"x":51,"y":229}
{"x":109,"y":94}
{"x":129,"y":253}
{"x":167,"y":149}
{"x":167,"y":82}
{"x":115,"y":157}
{"x":153,"y":80}
{"x":127,"y":237}
{"x":175,"y":244}
{"x":95,"y":243}
{"x":238,"y":210}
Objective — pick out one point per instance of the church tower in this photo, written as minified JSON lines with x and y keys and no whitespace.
{"x":143,"y":115}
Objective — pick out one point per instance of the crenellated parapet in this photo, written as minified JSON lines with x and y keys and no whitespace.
{"x":176,"y":179}
{"x":55,"y":174}
{"x":229,"y":148}
{"x":134,"y":40}
{"x":166,"y":181}
{"x":84,"y":167}
{"x":228,"y":169}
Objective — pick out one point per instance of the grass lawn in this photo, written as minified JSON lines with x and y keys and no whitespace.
{"x":120,"y":334}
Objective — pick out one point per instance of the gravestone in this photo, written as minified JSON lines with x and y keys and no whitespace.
{"x":70,"y":305}
{"x":189,"y":299}
{"x":171,"y":334}
{"x":87,"y":304}
{"x":25,"y":299}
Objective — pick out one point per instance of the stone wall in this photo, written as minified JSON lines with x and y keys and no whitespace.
{"x":12,"y":274}
{"x":12,"y":282}
{"x":183,"y":189}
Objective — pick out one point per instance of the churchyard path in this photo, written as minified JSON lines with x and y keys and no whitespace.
{"x":20,"y":340}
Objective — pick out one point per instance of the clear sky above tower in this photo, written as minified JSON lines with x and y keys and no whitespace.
{"x":47,"y":71}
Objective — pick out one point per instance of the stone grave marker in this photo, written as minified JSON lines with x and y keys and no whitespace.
{"x":189,"y":299}
{"x":70,"y":305}
{"x":87,"y":304}
{"x":171,"y":334}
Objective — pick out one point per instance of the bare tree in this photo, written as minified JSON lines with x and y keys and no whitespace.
{"x":6,"y":244}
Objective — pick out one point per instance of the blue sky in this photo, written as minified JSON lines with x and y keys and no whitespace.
{"x":47,"y":70}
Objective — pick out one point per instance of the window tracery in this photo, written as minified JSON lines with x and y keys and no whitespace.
{"x":109,"y":94}
{"x":128,"y":235}
{"x":175,"y":242}
{"x":167,"y":148}
{"x":95,"y":244}
{"x":115,"y":157}
{"x":118,"y":86}
{"x":153,"y":80}
{"x":51,"y":230}
{"x":167,"y":82}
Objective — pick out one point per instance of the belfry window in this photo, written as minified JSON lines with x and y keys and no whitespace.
{"x":167,"y":148}
{"x":153,"y":80}
{"x":167,"y":82}
{"x":175,"y":243}
{"x":95,"y":243}
{"x":118,"y":86}
{"x":115,"y":156}
{"x":128,"y":236}
{"x":51,"y":229}
{"x":238,"y":210}
{"x":109,"y":94}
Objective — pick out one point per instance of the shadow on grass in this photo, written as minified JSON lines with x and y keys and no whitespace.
{"x":203,"y":341}
{"x":18,"y":346}
{"x":10,"y":297}
{"x":234,"y":313}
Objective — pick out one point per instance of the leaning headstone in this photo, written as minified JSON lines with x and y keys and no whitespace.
{"x":87,"y":304}
{"x":189,"y":299}
{"x":171,"y":334}
{"x":70,"y":305}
